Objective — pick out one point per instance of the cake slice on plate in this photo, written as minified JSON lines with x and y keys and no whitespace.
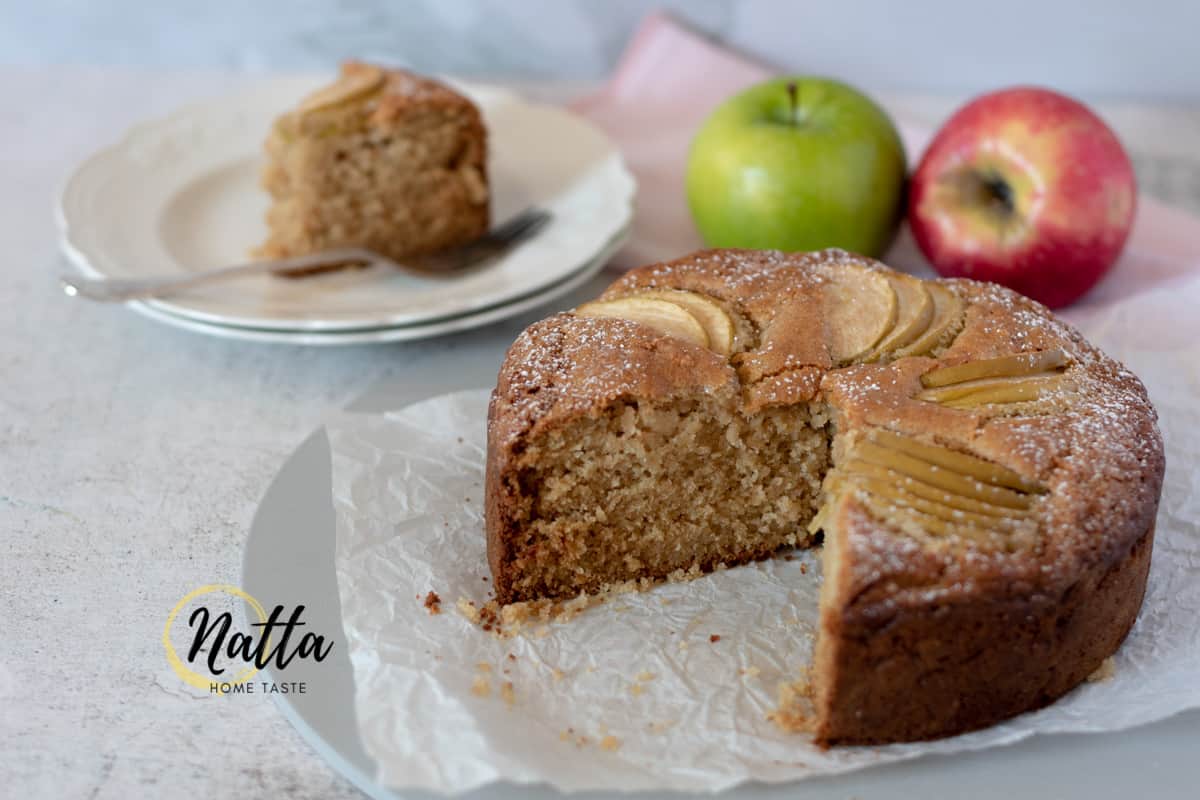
{"x":380,"y":158}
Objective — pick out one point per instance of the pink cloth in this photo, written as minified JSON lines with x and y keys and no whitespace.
{"x":669,"y":79}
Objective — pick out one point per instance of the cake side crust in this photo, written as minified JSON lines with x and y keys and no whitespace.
{"x":885,"y":675}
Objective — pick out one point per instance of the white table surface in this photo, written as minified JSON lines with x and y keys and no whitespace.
{"x":132,"y":457}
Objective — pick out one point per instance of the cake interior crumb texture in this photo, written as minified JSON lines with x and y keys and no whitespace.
{"x":398,"y":166}
{"x":643,"y":490}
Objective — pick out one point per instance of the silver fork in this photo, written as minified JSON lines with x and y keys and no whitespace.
{"x":449,"y":263}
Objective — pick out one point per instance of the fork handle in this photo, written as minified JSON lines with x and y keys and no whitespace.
{"x":122,"y":290}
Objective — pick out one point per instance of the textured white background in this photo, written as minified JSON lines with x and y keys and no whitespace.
{"x":132,"y":455}
{"x":1110,"y":48}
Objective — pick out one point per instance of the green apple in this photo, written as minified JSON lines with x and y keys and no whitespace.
{"x":797,"y":163}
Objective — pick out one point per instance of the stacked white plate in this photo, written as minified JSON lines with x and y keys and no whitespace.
{"x":181,"y":194}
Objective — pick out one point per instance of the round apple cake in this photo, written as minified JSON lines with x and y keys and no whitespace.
{"x":982,"y":480}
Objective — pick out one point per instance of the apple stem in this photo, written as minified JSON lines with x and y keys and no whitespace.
{"x":793,"y":96}
{"x":1001,"y":193}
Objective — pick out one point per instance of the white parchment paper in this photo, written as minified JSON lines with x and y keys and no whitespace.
{"x":683,"y":711}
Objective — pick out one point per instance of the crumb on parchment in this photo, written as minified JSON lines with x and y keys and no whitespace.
{"x":509,"y":620}
{"x":794,"y":713}
{"x":433,"y":603}
{"x":468,"y":609}
{"x":1104,"y":672}
{"x":481,"y":686}
{"x":606,"y":740}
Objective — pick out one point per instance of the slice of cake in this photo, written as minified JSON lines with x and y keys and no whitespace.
{"x":380,"y":158}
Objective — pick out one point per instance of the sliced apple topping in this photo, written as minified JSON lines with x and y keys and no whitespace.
{"x":860,"y":309}
{"x":716,"y":323}
{"x":914,"y":314}
{"x":1009,"y":379}
{"x":997,"y":391}
{"x":350,"y":86}
{"x":940,"y":491}
{"x":662,"y":316}
{"x":898,"y":495}
{"x":962,"y":463}
{"x":942,"y":527}
{"x":947,"y":310}
{"x":942,"y":477}
{"x":1034,"y":363}
{"x":1022,"y":392}
{"x":934,"y":489}
{"x":930,"y":492}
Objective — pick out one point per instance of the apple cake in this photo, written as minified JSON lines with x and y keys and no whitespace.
{"x":983,"y":481}
{"x":383,"y":159}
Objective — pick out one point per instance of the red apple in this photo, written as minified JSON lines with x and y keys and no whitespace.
{"x":1026,"y":188}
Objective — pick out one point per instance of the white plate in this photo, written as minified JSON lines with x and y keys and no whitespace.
{"x":402,"y":333}
{"x":181,"y":194}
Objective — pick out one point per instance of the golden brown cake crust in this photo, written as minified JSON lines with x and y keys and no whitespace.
{"x":920,"y":637}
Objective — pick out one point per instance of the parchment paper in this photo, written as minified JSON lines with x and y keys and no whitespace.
{"x":637,"y":693}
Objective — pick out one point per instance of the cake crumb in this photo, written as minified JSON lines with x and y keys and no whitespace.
{"x":481,"y":687}
{"x":557,"y":674}
{"x":512,"y":619}
{"x":468,"y":609}
{"x":646,"y":676}
{"x":508,"y":694}
{"x":433,"y":603}
{"x":716,"y":637}
{"x":483,"y":666}
{"x":794,"y":713}
{"x":636,"y":689}
{"x":1104,"y":672}
{"x":803,"y":568}
{"x":610,"y":743}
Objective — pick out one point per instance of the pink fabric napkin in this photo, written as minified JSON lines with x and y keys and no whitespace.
{"x":668,"y":81}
